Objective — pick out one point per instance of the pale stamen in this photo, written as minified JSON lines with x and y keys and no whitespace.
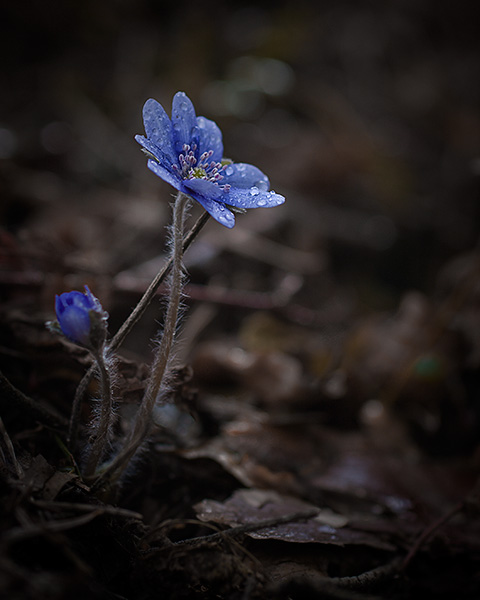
{"x":189,"y":167}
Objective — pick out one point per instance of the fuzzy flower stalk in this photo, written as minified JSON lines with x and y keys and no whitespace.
{"x":81,"y":318}
{"x":186,"y":151}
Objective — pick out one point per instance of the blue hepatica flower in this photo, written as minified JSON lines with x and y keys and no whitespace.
{"x":81,"y":317}
{"x":186,"y":151}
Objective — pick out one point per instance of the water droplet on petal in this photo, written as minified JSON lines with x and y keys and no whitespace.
{"x":229,"y":171}
{"x":241,"y":167}
{"x":262,"y":202}
{"x":254,"y":191}
{"x":262,"y":185}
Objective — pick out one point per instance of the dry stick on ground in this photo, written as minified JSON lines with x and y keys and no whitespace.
{"x":24,"y":532}
{"x":322,"y":587}
{"x":248,"y":527}
{"x":127,"y":326}
{"x":471,"y":500}
{"x":369,"y":579}
{"x":335,"y":585}
{"x":11,"y":396}
{"x":244,"y":299}
{"x":233,"y":531}
{"x":32,"y":529}
{"x":11,"y":451}
{"x":87,"y":508}
{"x":354,"y":587}
{"x":429,"y":531}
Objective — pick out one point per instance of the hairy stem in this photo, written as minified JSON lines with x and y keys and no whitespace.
{"x":149,"y":294}
{"x":163,"y":353}
{"x":77,"y":405}
{"x":143,"y":418}
{"x":128,"y":325}
{"x":105,"y":419}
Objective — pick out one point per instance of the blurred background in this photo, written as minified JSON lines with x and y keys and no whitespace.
{"x":366,"y":116}
{"x":334,"y":340}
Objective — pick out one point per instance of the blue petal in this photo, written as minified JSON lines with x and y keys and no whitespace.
{"x":165,"y":174}
{"x":210,"y":138}
{"x":68,"y":299}
{"x":152,"y":148}
{"x":94,"y":302}
{"x":75,"y":324}
{"x":158,"y":128}
{"x":251,"y":198}
{"x":241,"y":175}
{"x":205,"y":192}
{"x":184,"y":122}
{"x":205,"y":188}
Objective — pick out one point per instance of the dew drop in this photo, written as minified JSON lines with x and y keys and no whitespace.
{"x":229,"y":171}
{"x":254,"y":191}
{"x":241,"y":167}
{"x":262,"y":202}
{"x":262,"y":185}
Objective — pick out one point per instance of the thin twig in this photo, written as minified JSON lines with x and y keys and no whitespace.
{"x":316,"y":586}
{"x":249,"y":527}
{"x":81,"y":507}
{"x":369,"y":579}
{"x":20,"y":533}
{"x":8,"y":443}
{"x":11,"y":396}
{"x":355,"y":587}
{"x":243,"y":299}
{"x":470,"y":503}
{"x":429,"y":531}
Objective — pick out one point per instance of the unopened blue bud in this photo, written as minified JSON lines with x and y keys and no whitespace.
{"x":81,"y":318}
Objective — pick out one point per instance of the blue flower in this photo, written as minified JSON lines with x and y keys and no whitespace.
{"x":81,"y":318}
{"x":186,"y":151}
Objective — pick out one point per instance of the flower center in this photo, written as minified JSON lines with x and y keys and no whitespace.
{"x":198,"y":172}
{"x":189,"y":167}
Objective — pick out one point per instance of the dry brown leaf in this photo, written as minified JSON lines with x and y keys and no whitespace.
{"x":251,"y":506}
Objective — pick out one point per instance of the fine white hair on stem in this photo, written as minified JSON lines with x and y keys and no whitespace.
{"x":128,"y":325}
{"x":143,"y":419}
{"x":103,"y":421}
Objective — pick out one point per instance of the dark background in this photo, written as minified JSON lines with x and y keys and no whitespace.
{"x":365,"y":115}
{"x":334,"y":340}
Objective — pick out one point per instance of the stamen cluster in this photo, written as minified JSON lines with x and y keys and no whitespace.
{"x":203,"y":168}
